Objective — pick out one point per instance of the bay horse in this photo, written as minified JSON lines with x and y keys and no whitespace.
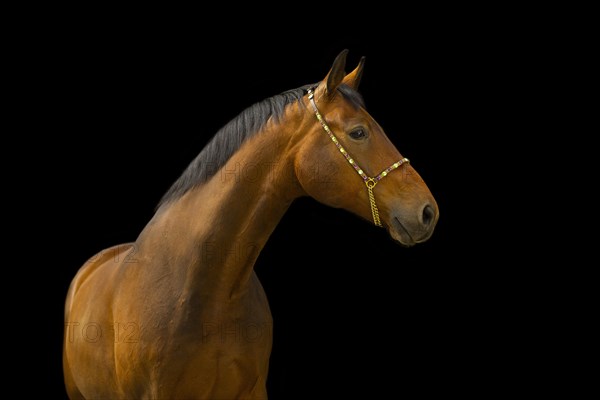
{"x":180,"y":313}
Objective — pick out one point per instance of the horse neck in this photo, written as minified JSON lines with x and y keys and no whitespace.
{"x":210,"y":238}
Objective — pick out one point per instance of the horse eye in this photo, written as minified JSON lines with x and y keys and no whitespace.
{"x":358,"y":134}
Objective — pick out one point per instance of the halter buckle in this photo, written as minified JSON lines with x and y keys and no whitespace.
{"x":371,"y":182}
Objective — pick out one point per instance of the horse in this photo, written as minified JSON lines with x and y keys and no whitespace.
{"x":180,"y":312}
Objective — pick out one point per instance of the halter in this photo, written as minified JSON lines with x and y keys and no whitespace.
{"x":369,"y":181}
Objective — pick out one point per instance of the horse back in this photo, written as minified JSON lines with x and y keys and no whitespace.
{"x":114,"y":254}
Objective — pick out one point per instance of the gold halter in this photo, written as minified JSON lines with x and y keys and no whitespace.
{"x":369,"y":181}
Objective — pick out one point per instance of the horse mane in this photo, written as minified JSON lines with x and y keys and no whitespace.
{"x":231,"y":136}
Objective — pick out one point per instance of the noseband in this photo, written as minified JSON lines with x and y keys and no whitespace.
{"x":369,"y":181}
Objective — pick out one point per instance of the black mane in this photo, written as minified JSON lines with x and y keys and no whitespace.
{"x":231,"y":136}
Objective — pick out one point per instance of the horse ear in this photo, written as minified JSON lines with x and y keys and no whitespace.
{"x":353,"y":78}
{"x":335,"y":76}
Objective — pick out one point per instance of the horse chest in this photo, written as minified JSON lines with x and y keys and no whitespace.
{"x":226,"y":342}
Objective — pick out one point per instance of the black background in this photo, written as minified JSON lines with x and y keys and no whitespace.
{"x":124,"y":106}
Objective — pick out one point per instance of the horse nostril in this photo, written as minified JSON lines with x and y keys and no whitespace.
{"x":428,"y":215}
